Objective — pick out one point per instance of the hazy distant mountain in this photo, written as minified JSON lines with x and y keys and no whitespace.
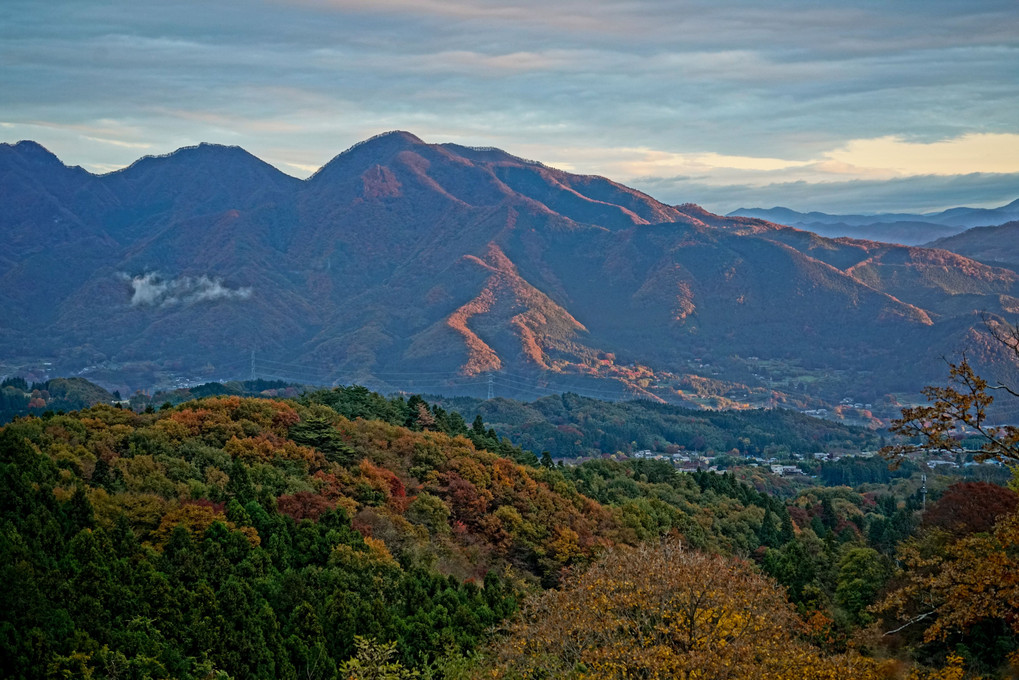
{"x":904,"y":228}
{"x":427,"y":267}
{"x":998,"y":246}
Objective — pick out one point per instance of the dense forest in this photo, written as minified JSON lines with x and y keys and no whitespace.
{"x":345,"y":534}
{"x":572,"y":426}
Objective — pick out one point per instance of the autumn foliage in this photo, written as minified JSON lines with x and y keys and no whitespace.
{"x":660,"y":611}
{"x":260,"y":538}
{"x":950,"y":588}
{"x":971,"y":507}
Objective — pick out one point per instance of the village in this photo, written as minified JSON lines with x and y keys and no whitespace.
{"x":786,"y":466}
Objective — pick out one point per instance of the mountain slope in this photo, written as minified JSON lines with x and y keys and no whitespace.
{"x":993,"y":245}
{"x":407,"y":265}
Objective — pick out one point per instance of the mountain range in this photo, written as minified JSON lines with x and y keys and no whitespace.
{"x":443,"y":268}
{"x":905,"y":228}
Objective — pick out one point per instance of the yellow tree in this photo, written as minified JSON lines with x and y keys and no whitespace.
{"x":659,"y":612}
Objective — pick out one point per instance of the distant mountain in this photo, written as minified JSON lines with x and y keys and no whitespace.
{"x":904,"y":228}
{"x":998,"y":245}
{"x":439,"y":267}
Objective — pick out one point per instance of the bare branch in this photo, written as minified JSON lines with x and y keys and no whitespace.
{"x":1003,"y":386}
{"x":907,"y":624}
{"x":954,"y":411}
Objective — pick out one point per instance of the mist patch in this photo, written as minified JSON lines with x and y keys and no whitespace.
{"x":153,"y":290}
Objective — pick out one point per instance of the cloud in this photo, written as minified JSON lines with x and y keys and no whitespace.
{"x":117,"y":142}
{"x":998,"y":153}
{"x":745,"y":92}
{"x":152,"y":290}
{"x":917,"y":194}
{"x":626,"y":164}
{"x":982,"y":159}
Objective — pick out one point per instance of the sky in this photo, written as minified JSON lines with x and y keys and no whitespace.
{"x":852,"y":106}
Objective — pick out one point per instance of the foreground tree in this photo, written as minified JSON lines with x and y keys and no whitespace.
{"x":665,"y":612}
{"x":959,"y":581}
{"x":961,"y":410}
{"x":374,"y":661}
{"x":962,"y":594}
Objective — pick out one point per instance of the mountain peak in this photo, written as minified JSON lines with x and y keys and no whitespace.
{"x":398,"y":134}
{"x":374,"y":150}
{"x":30,"y":151}
{"x":386,"y":142}
{"x":201,"y":158}
{"x":205,"y":150}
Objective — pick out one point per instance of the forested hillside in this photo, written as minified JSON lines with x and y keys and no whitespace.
{"x":237,"y":537}
{"x":17,"y":397}
{"x":570,"y":426}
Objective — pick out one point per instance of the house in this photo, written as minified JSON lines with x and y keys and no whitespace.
{"x":783,"y":470}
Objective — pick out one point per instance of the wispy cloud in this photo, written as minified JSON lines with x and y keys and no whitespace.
{"x":117,"y":142}
{"x":987,"y":157}
{"x":917,"y":194}
{"x":152,"y":290}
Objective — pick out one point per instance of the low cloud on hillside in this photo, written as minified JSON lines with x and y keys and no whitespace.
{"x":152,"y":290}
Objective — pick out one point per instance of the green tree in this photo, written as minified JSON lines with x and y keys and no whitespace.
{"x":863,"y":572}
{"x":374,"y":661}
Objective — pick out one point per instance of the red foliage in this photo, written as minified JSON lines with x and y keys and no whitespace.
{"x":399,"y":504}
{"x":206,"y":503}
{"x":304,"y":505}
{"x":570,"y":430}
{"x":971,"y":507}
{"x":799,"y":516}
{"x":329,"y":485}
{"x":386,"y":481}
{"x":396,"y":487}
{"x":284,"y":417}
{"x":844,"y":524}
{"x":467,"y":505}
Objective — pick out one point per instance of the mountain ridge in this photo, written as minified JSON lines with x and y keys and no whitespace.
{"x":993,"y":245}
{"x":905,"y":228}
{"x":399,"y":254}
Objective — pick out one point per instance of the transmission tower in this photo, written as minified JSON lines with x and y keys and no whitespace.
{"x":491,"y":386}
